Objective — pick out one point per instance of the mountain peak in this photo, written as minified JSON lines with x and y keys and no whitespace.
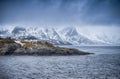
{"x":18,"y":29}
{"x":71,"y":31}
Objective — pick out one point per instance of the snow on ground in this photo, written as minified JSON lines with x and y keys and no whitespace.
{"x":19,"y":42}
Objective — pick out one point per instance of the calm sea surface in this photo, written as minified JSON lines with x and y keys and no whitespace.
{"x":104,"y":64}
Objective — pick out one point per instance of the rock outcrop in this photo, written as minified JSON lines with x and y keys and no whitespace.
{"x":8,"y":46}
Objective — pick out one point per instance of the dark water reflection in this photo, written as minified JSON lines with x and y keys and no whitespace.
{"x":96,"y":66}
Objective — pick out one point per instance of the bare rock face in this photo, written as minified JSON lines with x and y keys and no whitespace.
{"x":19,"y":51}
{"x":8,"y":49}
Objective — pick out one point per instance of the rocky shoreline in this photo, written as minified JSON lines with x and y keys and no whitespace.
{"x":10,"y":46}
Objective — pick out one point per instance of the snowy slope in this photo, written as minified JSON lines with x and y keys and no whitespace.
{"x":107,"y":35}
{"x":70,"y":34}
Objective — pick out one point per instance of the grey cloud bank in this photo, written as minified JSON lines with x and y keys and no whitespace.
{"x":60,"y":12}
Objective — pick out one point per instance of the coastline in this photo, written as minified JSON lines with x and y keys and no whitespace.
{"x":11,"y":47}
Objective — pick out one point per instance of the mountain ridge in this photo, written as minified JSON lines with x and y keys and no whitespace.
{"x":65,"y":36}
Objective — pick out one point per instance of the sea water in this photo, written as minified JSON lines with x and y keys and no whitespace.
{"x":103,"y":64}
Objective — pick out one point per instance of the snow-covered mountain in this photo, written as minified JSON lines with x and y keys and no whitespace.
{"x":104,"y":34}
{"x":69,"y":35}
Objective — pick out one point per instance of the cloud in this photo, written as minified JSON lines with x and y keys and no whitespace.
{"x":60,"y":12}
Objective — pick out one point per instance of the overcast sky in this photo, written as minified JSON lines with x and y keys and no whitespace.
{"x":60,"y":12}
